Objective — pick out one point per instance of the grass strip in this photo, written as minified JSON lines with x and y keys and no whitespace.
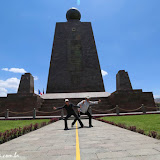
{"x":148,"y":123}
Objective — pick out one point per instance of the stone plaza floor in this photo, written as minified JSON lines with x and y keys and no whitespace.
{"x":101,"y":142}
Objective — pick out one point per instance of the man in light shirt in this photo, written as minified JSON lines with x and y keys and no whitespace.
{"x":84,"y":109}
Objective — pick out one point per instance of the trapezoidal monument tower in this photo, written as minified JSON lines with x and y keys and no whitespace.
{"x":74,"y":65}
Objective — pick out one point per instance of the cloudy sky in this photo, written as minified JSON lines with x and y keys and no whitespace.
{"x":127,"y":35}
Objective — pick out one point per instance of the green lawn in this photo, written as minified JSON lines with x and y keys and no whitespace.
{"x":150,"y":122}
{"x":11,"y":124}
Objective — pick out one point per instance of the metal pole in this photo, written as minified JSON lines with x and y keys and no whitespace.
{"x":34,"y":113}
{"x":117,"y":110}
{"x":7,"y":114}
{"x":143,"y":109}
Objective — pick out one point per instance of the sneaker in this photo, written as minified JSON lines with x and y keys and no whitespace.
{"x":90,"y":125}
{"x":81,"y":126}
{"x":72,"y":125}
{"x":66,"y":129}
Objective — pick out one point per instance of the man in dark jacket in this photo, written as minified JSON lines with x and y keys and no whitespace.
{"x":70,"y":111}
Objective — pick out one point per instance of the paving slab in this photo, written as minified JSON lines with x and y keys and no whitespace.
{"x":101,"y":142}
{"x":111,"y":142}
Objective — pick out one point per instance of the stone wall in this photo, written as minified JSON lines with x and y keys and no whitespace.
{"x":130,"y":100}
{"x":21,"y":103}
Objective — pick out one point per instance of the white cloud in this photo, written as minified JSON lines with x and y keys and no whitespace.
{"x":36,"y":92}
{"x":11,"y":84}
{"x":3,"y":92}
{"x":4,"y":69}
{"x":35,"y":78}
{"x":104,"y":73}
{"x":15,"y":70}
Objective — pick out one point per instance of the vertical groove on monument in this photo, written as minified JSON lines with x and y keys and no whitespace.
{"x":74,"y":65}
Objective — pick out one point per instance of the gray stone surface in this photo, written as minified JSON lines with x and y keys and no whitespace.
{"x":26,"y":84}
{"x":101,"y":142}
{"x":75,"y":95}
{"x":122,"y":81}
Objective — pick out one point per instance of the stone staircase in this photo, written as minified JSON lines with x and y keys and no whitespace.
{"x":102,"y":107}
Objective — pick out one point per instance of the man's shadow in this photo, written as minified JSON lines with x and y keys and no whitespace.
{"x":75,"y":128}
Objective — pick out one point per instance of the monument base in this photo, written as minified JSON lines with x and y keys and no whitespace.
{"x":129,"y":101}
{"x":21,"y":103}
{"x":133,"y":99}
{"x":57,"y":100}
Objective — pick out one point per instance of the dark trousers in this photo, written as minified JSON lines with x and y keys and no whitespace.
{"x":88,"y":114}
{"x":76,"y":117}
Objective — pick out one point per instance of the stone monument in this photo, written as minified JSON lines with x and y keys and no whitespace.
{"x":129,"y":98}
{"x":26,"y":84}
{"x":25,"y":99}
{"x":74,"y":65}
{"x":123,"y":81}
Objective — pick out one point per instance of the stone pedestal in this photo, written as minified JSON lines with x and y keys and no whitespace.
{"x":24,"y":100}
{"x":26,"y":84}
{"x":122,"y":81}
{"x":127,"y":98}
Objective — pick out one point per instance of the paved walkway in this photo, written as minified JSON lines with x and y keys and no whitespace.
{"x":101,"y":142}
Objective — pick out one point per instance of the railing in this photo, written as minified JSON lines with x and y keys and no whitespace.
{"x":117,"y":109}
{"x":34,"y":112}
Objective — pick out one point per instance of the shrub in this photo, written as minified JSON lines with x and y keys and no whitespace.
{"x":141,"y":131}
{"x":30,"y":127}
{"x":0,"y":134}
{"x":35,"y":126}
{"x":132,"y":128}
{"x":24,"y":130}
{"x":43,"y":124}
{"x":122,"y":125}
{"x":19,"y":131}
{"x":15,"y":131}
{"x":149,"y":134}
{"x":53,"y":120}
{"x":158,"y":136}
{"x":153,"y":134}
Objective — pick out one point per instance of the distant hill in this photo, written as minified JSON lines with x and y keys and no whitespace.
{"x":157,"y":100}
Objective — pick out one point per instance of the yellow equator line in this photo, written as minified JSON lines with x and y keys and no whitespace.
{"x":78,"y":157}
